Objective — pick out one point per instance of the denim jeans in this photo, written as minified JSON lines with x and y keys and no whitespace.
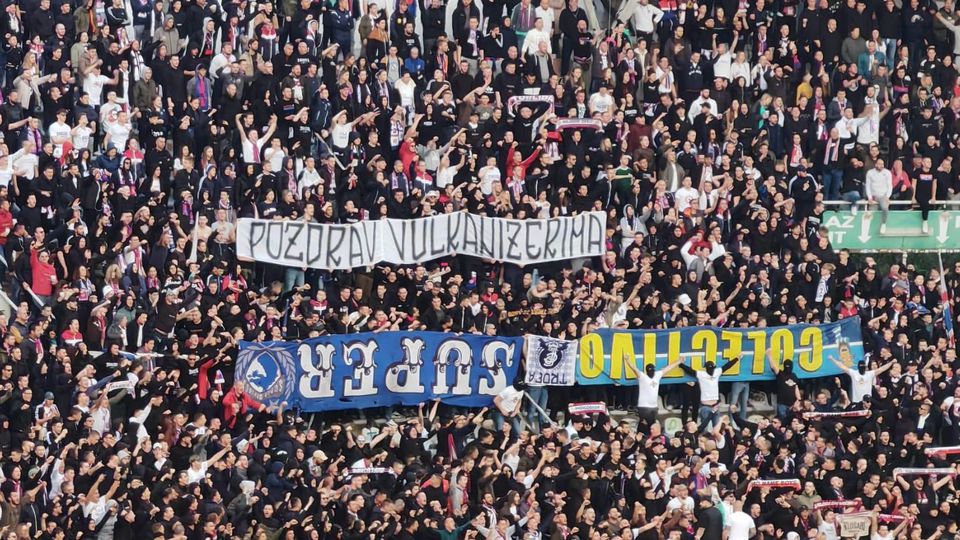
{"x":740,"y":396}
{"x":498,"y":421}
{"x":851,"y":197}
{"x":293,"y":277}
{"x":708,"y":417}
{"x":782,"y":410}
{"x":832,"y":180}
{"x":890,"y":49}
{"x":538,"y":395}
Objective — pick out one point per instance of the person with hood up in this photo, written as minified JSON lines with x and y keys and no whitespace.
{"x":709,"y":380}
{"x":169,"y":36}
{"x":788,"y":387}
{"x":648,"y":383}
{"x":862,"y":379}
{"x":238,"y":508}
{"x":277,"y":486}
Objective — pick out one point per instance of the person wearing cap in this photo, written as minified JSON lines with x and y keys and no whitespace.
{"x":47,"y":411}
{"x":200,"y":87}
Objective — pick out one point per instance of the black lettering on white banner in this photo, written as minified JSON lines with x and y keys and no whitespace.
{"x":337,"y":246}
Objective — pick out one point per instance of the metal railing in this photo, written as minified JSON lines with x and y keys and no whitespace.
{"x":892,"y":203}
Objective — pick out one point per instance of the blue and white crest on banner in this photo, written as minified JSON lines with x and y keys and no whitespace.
{"x":268,"y":373}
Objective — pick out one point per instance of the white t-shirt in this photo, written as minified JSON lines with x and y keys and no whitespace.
{"x":119,"y":133}
{"x":686,"y":504}
{"x":95,"y":511}
{"x":509,"y":397}
{"x":649,"y":389}
{"x":6,"y":174}
{"x":276,"y":156}
{"x":59,"y":130}
{"x":829,"y":530}
{"x":861,"y":385}
{"x":488,"y":175}
{"x":445,"y":177}
{"x":341,"y":135}
{"x":740,"y":524}
{"x":81,"y":138}
{"x":547,"y":14}
{"x":721,"y":68}
{"x":196,"y":475}
{"x":601,"y":103}
{"x":25,"y":164}
{"x":93,"y":85}
{"x":684,"y":196}
{"x":709,"y":385}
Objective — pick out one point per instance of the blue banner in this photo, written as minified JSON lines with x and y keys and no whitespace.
{"x":615,"y":356}
{"x":359,"y":371}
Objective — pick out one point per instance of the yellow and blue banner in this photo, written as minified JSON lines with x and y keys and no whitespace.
{"x":357,"y":371}
{"x":616,"y":356}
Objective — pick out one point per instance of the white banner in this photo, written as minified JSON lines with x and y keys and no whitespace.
{"x":591,"y":407}
{"x":854,"y":525}
{"x":410,"y":241}
{"x":551,"y":362}
{"x":367,"y":470}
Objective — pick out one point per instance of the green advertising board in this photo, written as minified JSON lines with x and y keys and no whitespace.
{"x":904,"y":232}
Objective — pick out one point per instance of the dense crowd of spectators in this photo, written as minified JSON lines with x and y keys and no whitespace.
{"x":133,"y":134}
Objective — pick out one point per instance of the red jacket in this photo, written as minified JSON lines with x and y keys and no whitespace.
{"x":6,"y":225}
{"x":42,"y":272}
{"x":246,"y":402}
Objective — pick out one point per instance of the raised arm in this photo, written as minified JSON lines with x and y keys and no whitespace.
{"x":838,"y":364}
{"x":773,"y":365}
{"x":882,"y":369}
{"x":271,"y":128}
{"x":673,"y":365}
{"x":730,"y":363}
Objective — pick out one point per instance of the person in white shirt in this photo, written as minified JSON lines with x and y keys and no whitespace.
{"x":741,"y":68}
{"x":602,"y":101}
{"x":879,"y":186}
{"x":682,"y":500}
{"x":59,"y":132}
{"x":709,"y":381}
{"x":685,"y":195}
{"x":222,"y":60}
{"x":198,"y":467}
{"x":81,"y":134}
{"x":723,"y":57}
{"x":696,"y":107}
{"x":739,"y":525}
{"x":862,"y":379}
{"x":508,"y":403}
{"x":648,"y":383}
{"x":535,"y":36}
{"x":118,"y":132}
{"x":94,"y":81}
{"x":309,"y":176}
{"x":25,"y":161}
{"x":252,"y":145}
{"x":868,"y":131}
{"x":882,"y":531}
{"x":645,"y":18}
{"x":848,"y":126}
{"x":547,"y":14}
